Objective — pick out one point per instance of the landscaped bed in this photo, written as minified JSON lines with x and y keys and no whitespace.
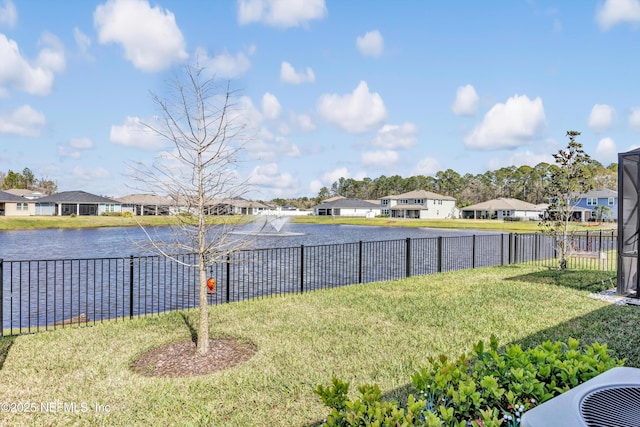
{"x":374,"y":333}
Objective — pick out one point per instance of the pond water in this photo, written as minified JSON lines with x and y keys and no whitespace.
{"x":124,"y":241}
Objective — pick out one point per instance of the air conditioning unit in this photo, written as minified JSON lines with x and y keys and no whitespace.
{"x":612,"y":399}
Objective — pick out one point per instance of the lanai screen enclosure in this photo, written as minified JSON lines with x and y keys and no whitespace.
{"x":628,"y":222}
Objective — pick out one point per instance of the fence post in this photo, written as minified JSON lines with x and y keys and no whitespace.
{"x":1,"y":298}
{"x":473,"y":251}
{"x":501,"y":249}
{"x":600,"y":242}
{"x":301,"y":268}
{"x":131,"y":287}
{"x":510,"y":255}
{"x":360,"y":261}
{"x":515,"y":247}
{"x":228,"y":280}
{"x":439,"y":255}
{"x":407,"y":266}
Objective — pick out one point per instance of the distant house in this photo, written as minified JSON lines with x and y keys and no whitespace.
{"x":75,"y":202}
{"x":145,"y":204}
{"x":12,"y":205}
{"x":27,"y":194}
{"x":347,"y":207}
{"x":588,"y":204}
{"x":502,"y":208}
{"x":419,"y":204}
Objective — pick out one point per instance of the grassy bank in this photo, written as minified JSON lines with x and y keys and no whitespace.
{"x":458,"y":224}
{"x":38,"y":222}
{"x":380,"y":332}
{"x":35,"y":222}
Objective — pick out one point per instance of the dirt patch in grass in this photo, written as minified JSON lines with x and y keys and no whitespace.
{"x":180,"y":359}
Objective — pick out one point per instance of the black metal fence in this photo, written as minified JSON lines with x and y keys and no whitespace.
{"x":38,"y":295}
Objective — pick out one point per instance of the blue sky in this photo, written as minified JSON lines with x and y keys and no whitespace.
{"x":329,"y":89}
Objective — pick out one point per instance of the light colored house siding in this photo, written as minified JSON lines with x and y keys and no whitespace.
{"x":25,"y":208}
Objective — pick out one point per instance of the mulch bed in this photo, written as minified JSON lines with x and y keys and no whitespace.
{"x":180,"y":359}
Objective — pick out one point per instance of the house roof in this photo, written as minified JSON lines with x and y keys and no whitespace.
{"x":602,"y":193}
{"x":74,"y":197}
{"x":502,"y":204}
{"x":345,"y":203}
{"x":8,"y":197}
{"x":28,"y":194}
{"x":412,"y":206}
{"x":419,"y":194}
{"x":144,"y":199}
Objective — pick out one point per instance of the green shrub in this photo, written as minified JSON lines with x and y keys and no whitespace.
{"x":126,"y":214}
{"x":111,"y":214}
{"x":483,"y":388}
{"x":512,"y":218}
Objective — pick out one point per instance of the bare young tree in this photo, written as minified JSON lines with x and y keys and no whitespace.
{"x":199,"y":174}
{"x":567,"y":181}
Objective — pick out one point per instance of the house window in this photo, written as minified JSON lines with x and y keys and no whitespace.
{"x":385,"y":202}
{"x":21,"y":206}
{"x":611,"y":201}
{"x":592,"y":201}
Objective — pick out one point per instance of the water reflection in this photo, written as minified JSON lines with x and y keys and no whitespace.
{"x":126,"y":241}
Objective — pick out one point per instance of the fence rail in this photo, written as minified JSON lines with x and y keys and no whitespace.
{"x":37,"y":295}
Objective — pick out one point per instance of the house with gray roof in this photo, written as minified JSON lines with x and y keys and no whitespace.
{"x":420,"y":204}
{"x":12,"y":205}
{"x":503,"y":207}
{"x":77,"y":203}
{"x":347,"y":207}
{"x":145,"y":204}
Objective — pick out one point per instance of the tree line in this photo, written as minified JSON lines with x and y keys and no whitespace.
{"x":526,"y":183}
{"x":26,"y":180}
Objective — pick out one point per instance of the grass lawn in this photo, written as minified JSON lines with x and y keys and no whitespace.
{"x":381,"y":332}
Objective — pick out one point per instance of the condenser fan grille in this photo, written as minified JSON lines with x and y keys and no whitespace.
{"x":612,"y":407}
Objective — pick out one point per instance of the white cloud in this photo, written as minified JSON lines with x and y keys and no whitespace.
{"x":25,"y":121}
{"x":224,"y":65}
{"x":427,"y":166}
{"x":371,"y":44}
{"x":601,"y":117}
{"x":271,"y":107}
{"x":81,"y":143}
{"x":396,"y":137}
{"x":75,"y":147}
{"x":634,"y":119}
{"x":281,"y":13}
{"x":289,"y":75}
{"x":356,"y":112}
{"x":383,"y":158}
{"x":67,"y":151}
{"x":508,"y":125}
{"x":270,"y":178}
{"x":302,"y":122}
{"x":613,"y":12}
{"x":82,"y":41}
{"x":17,"y":72}
{"x":269,"y":148}
{"x":51,"y":56}
{"x":85,"y":174}
{"x":519,"y":158}
{"x":8,"y":14}
{"x":150,"y":37}
{"x":132,"y":133}
{"x":315,"y":186}
{"x":466,"y":103}
{"x":332,"y":176}
{"x":606,"y":151}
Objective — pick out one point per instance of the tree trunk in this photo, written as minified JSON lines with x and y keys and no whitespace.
{"x":203,"y":324}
